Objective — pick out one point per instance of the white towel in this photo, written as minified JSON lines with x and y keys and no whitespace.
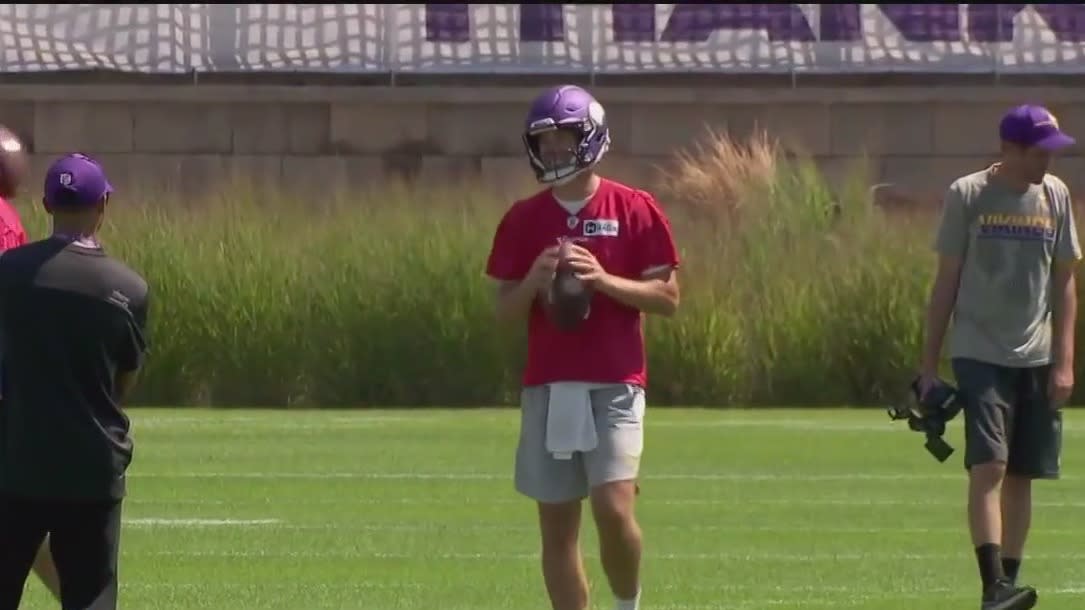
{"x":570,"y":423}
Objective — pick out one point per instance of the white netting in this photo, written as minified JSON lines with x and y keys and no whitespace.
{"x":544,"y":38}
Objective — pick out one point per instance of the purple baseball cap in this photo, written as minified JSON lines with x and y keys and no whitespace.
{"x":1033,"y":125}
{"x":75,"y":180}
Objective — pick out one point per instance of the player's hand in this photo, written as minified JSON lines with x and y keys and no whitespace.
{"x":927,"y":380}
{"x":1060,"y":385}
{"x":585,"y":265}
{"x":542,"y":270}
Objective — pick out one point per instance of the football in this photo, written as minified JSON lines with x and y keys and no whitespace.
{"x":569,"y":299}
{"x":14,"y":163}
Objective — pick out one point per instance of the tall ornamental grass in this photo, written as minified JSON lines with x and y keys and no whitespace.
{"x":793,"y":293}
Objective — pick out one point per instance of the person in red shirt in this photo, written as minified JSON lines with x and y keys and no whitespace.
{"x":583,"y":397}
{"x":13,"y":235}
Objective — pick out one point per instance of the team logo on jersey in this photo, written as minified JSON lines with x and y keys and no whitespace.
{"x":1022,"y":227}
{"x":572,"y":222}
{"x":601,"y":227}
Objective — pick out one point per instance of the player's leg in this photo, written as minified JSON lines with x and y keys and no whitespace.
{"x":22,"y":529}
{"x":1034,"y":454}
{"x":85,"y":541}
{"x":613,"y":469}
{"x":988,"y":392}
{"x":559,"y":487}
{"x":46,"y":570}
{"x":562,"y":563}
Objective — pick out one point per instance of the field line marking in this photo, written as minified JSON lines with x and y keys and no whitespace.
{"x":511,"y":501}
{"x":867,"y":421}
{"x":192,"y":522}
{"x":490,"y":476}
{"x":736,"y":528}
{"x":303,"y":586}
{"x":782,"y":595}
{"x":780,"y":557}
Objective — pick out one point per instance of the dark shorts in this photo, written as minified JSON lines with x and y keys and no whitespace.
{"x":84,"y":540}
{"x":1009,"y":419}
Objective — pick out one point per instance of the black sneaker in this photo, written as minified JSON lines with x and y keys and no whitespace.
{"x":1004,"y":595}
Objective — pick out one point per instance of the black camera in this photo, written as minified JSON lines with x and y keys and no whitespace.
{"x":929,"y":414}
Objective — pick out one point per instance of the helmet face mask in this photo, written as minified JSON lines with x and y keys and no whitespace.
{"x":555,"y":150}
{"x":566,"y":134}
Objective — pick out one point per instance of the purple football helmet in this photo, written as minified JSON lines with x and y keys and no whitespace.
{"x":572,"y":109}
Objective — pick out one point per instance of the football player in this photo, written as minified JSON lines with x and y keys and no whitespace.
{"x":583,"y":396}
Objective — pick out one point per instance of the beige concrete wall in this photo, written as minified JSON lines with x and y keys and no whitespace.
{"x":315,"y":138}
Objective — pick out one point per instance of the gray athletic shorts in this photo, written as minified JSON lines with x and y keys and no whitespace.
{"x":619,"y":425}
{"x":1009,"y":419}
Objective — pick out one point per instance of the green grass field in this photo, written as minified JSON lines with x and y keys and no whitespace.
{"x":383,"y":510}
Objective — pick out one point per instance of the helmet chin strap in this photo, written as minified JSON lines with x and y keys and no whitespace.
{"x":562,"y":181}
{"x":551,"y":177}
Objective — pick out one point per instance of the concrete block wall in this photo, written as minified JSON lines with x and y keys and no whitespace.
{"x":317,"y":138}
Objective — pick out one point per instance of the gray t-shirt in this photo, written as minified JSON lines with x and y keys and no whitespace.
{"x":1009,"y":242}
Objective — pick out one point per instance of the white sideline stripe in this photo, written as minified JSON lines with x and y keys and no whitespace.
{"x":813,"y":426}
{"x":200,"y":586}
{"x":877,"y":421}
{"x":156,"y":521}
{"x":250,"y":427}
{"x":662,"y":586}
{"x":957,"y":475}
{"x":737,"y":528}
{"x":216,"y":418}
{"x":854,"y":600}
{"x":883,"y":426}
{"x":782,"y":557}
{"x":732,"y":588}
{"x":520,"y":502}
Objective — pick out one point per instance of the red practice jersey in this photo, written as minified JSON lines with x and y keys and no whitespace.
{"x":12,"y":233}
{"x":629,"y":235}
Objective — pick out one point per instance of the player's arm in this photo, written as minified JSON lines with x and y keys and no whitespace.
{"x":656,"y":291}
{"x":1064,"y":289}
{"x":519,"y":274}
{"x":126,"y":380}
{"x":132,"y":353}
{"x":514,"y":299}
{"x":943,"y":296}
{"x":1064,"y":317}
{"x":951,"y":244}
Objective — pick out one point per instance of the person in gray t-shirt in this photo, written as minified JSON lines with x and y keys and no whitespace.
{"x":1007,"y":249}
